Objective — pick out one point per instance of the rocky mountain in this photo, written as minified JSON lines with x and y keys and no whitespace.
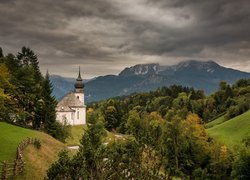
{"x":146,"y":77}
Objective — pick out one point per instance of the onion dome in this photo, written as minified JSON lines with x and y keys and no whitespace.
{"x":79,"y":82}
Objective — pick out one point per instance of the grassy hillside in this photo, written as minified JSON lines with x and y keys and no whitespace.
{"x":76,"y":135}
{"x":10,"y":138}
{"x":231,"y":132}
{"x":37,"y":161}
{"x":215,"y":122}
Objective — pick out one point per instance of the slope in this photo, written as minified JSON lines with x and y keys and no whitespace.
{"x":232,"y":132}
{"x":37,"y":161}
{"x":10,"y":138}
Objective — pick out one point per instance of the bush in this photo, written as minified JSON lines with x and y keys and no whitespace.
{"x":37,"y":144}
{"x":241,"y":165}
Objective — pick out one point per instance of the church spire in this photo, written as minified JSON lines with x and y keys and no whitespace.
{"x":79,"y":82}
{"x":79,"y":74}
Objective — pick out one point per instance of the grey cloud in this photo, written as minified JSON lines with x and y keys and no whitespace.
{"x":111,"y":33}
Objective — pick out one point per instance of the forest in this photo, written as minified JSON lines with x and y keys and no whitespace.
{"x":26,"y":96}
{"x":163,"y":137}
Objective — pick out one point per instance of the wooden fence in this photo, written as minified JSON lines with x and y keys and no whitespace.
{"x":13,"y":168}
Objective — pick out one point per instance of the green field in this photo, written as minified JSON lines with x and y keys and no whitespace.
{"x":10,"y":136}
{"x":76,"y":135}
{"x":215,"y":122}
{"x":37,"y":161}
{"x":231,"y":132}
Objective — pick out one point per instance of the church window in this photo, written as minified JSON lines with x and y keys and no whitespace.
{"x":77,"y":114}
{"x":77,"y":97}
{"x":72,"y":116}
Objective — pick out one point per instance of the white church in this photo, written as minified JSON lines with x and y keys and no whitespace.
{"x":72,"y":109}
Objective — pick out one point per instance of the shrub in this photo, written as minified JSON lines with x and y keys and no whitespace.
{"x":37,"y":144}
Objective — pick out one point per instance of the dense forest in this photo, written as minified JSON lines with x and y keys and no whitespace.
{"x":26,"y":96}
{"x":163,"y":137}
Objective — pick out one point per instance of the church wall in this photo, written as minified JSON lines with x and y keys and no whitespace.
{"x":64,"y":116}
{"x":82,"y":116}
{"x":80,"y":96}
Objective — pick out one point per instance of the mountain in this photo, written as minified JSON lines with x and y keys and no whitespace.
{"x":61,"y":85}
{"x":146,"y":77}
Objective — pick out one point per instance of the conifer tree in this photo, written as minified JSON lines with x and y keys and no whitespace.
{"x":49,"y":112}
{"x":1,"y":52}
{"x":28,"y":57}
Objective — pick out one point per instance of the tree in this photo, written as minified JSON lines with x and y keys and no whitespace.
{"x":28,"y":57}
{"x":1,"y":53}
{"x":61,"y":169}
{"x":88,"y":162}
{"x":110,"y":115}
{"x":48,"y":111}
{"x":134,"y":124}
{"x":7,"y":104}
{"x":185,"y":145}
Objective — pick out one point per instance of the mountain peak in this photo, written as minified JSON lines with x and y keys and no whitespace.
{"x":140,"y":69}
{"x":209,"y":65}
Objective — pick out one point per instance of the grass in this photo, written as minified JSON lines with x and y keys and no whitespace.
{"x":10,"y":137}
{"x":76,"y":135}
{"x":215,"y":122}
{"x":78,"y":131}
{"x":232,"y":132}
{"x":37,"y":161}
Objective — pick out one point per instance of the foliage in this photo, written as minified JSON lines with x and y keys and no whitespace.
{"x":168,"y":125}
{"x":26,"y":96}
{"x":241,"y":163}
{"x":37,"y":143}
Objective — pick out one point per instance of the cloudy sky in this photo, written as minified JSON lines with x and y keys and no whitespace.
{"x":104,"y":36}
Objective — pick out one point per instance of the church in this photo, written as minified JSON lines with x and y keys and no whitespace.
{"x":72,"y":109}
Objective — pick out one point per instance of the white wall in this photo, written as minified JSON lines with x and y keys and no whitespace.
{"x":80,"y":96}
{"x":62,"y":116}
{"x":82,"y":116}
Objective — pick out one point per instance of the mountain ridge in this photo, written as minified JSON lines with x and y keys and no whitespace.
{"x":204,"y":75}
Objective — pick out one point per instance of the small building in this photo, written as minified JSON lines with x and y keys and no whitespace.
{"x":72,"y":109}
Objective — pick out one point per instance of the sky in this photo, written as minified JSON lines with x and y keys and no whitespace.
{"x":105,"y":36}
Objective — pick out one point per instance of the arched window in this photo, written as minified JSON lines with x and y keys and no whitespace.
{"x":78,"y":114}
{"x":77,"y":97}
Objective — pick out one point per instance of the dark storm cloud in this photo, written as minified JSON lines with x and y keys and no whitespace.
{"x":105,"y":35}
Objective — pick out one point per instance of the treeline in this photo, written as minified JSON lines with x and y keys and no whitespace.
{"x":163,"y":137}
{"x":26,"y":96}
{"x":231,"y":100}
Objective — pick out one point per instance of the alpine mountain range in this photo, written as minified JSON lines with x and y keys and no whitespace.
{"x":146,"y":77}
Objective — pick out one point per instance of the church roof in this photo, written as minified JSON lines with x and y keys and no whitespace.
{"x":79,"y":82}
{"x":69,"y":101}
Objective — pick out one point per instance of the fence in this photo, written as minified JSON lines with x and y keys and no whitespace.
{"x":13,"y":168}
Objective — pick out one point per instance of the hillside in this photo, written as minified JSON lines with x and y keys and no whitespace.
{"x":147,"y":77}
{"x":231,"y":132}
{"x":42,"y":158}
{"x":10,"y":138}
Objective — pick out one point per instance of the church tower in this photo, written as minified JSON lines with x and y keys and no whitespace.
{"x":79,"y":88}
{"x":72,"y":109}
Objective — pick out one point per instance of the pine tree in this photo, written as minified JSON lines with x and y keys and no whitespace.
{"x":1,"y":53}
{"x":49,"y":112}
{"x":28,"y":57}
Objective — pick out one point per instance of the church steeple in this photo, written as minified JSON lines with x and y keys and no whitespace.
{"x":79,"y":74}
{"x":79,"y":82}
